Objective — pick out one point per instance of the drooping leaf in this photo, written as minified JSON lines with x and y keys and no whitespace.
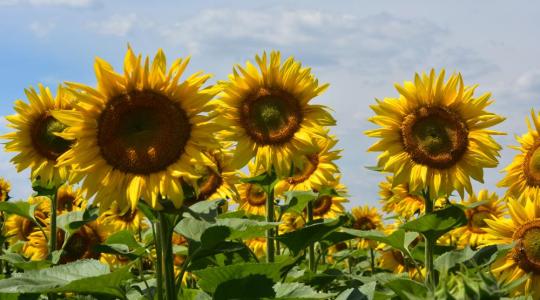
{"x":448,"y":260}
{"x":207,"y":210}
{"x":296,"y":290}
{"x":296,"y":201}
{"x":123,"y":243}
{"x":22,"y":263}
{"x":239,"y":228}
{"x":408,"y":289}
{"x":20,"y":208}
{"x":437,"y":223}
{"x":398,"y":239}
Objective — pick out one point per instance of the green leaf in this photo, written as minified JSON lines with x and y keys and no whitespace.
{"x":254,"y":286}
{"x":399,"y":239}
{"x":123,"y":243}
{"x":296,"y":290}
{"x":147,"y":211}
{"x":239,"y":228}
{"x":207,"y":210}
{"x":437,"y":223}
{"x":351,"y":294}
{"x":71,"y":221}
{"x":296,"y":201}
{"x":22,"y":263}
{"x":214,"y":235}
{"x":408,"y":289}
{"x":298,"y":240}
{"x":20,"y":208}
{"x":448,"y":260}
{"x":82,"y":276}
{"x":266,"y":180}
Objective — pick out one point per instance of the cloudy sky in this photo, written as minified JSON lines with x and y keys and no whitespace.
{"x":360,"y":49}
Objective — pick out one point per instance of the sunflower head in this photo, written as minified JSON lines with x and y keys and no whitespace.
{"x":69,"y":199}
{"x":19,"y":228}
{"x":257,"y":245}
{"x":398,"y":199}
{"x":118,"y":218}
{"x":267,"y":112}
{"x":330,"y":206}
{"x":36,"y":137}
{"x":291,"y":221}
{"x":435,"y":135}
{"x":366,"y":218}
{"x":139,"y":132}
{"x":523,"y":173}
{"x":5,"y":188}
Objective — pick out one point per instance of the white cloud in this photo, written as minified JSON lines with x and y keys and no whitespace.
{"x":67,"y":3}
{"x":115,"y":25}
{"x":41,"y":29}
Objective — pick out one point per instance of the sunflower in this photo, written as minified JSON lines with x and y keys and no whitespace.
{"x":435,"y":135}
{"x":317,"y":170}
{"x":19,"y":228}
{"x":329,"y":206}
{"x":218,"y":183}
{"x":139,"y":132}
{"x":36,"y":136}
{"x":522,"y":229}
{"x":5,"y":188}
{"x":252,"y":199}
{"x":473,"y":233}
{"x":257,"y":245}
{"x":393,"y":260}
{"x":69,"y":199}
{"x":290,"y":222}
{"x":523,"y":173}
{"x":366,"y":218}
{"x":118,"y":218}
{"x":268,"y":113}
{"x":332,"y":250}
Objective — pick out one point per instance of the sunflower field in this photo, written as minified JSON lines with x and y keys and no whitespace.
{"x":155,"y":184}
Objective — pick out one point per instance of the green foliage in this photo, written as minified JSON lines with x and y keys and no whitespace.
{"x":439,"y":222}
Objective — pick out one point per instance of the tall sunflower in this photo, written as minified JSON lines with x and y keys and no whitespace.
{"x":522,"y":229}
{"x":69,"y":199}
{"x":473,"y":233}
{"x":366,"y":218}
{"x":36,"y":136}
{"x":118,"y":218}
{"x":268,"y":113}
{"x":139,"y":131}
{"x":5,"y":188}
{"x":252,"y":199}
{"x":329,"y":206}
{"x":291,"y":221}
{"x":435,"y":134}
{"x":318,"y":169}
{"x":523,"y":173}
{"x":19,"y":228}
{"x":399,"y":200}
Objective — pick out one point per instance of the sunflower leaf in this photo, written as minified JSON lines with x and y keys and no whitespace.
{"x":20,"y":208}
{"x":437,"y":223}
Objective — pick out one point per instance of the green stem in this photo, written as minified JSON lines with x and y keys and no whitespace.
{"x":311,"y":249}
{"x":430,"y":244}
{"x":159,"y":272}
{"x":52,"y":237}
{"x":270,"y":251}
{"x":372,"y":256}
{"x":165,"y":236}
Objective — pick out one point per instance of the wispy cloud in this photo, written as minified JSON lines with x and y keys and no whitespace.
{"x":115,"y":25}
{"x":68,"y":3}
{"x":42,"y":29}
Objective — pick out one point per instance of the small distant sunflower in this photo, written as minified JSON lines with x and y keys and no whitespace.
{"x":523,"y":229}
{"x":69,"y":199}
{"x":332,"y":250}
{"x":473,"y":233}
{"x":139,"y":131}
{"x":523,"y":173}
{"x":19,"y":228}
{"x":216,"y":183}
{"x":399,"y":200}
{"x":258,"y":246}
{"x":252,"y":199}
{"x":435,"y":135}
{"x":395,"y":261}
{"x":118,"y":218}
{"x":318,"y":169}
{"x":5,"y":188}
{"x":268,"y":113}
{"x":36,"y":137}
{"x":290,"y":222}
{"x":366,"y":218}
{"x":330,"y":207}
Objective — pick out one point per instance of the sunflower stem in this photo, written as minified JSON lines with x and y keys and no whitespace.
{"x":372,"y":256}
{"x":52,"y":238}
{"x":159,"y":271}
{"x":311,"y":249}
{"x":430,"y":244}
{"x":167,"y":258}
{"x":270,"y":249}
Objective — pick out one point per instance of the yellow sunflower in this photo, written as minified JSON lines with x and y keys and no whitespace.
{"x":435,"y":135}
{"x":36,"y":136}
{"x":473,"y":233}
{"x":139,"y":131}
{"x":268,"y":113}
{"x":318,"y":169}
{"x":330,"y":207}
{"x":257,"y":245}
{"x":366,"y":218}
{"x":118,"y":218}
{"x":332,"y":250}
{"x":290,"y":222}
{"x":252,"y":199}
{"x":393,"y":260}
{"x":69,"y":199}
{"x":19,"y":228}
{"x":218,"y":183}
{"x":523,"y":173}
{"x":523,"y":229}
{"x":5,"y":188}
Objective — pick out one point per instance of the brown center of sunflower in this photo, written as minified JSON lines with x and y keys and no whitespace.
{"x":434,"y":136}
{"x":142,"y":132}
{"x":26,"y":228}
{"x":477,"y":220}
{"x":129,"y":215}
{"x":302,"y":174}
{"x":527,"y":249}
{"x":44,"y":139}
{"x":209,"y":184}
{"x":364,"y":223}
{"x":81,"y":245}
{"x":255,"y":195}
{"x":531,"y":166}
{"x":322,"y":205}
{"x":65,"y":202}
{"x":271,"y":117}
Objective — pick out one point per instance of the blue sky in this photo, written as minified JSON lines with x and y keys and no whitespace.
{"x":361,"y":49}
